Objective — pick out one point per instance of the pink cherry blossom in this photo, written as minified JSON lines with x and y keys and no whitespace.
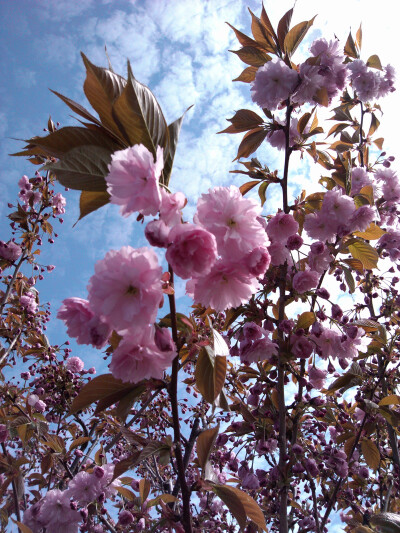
{"x":28,"y":301}
{"x":74,"y":364}
{"x":279,"y":254}
{"x":156,"y":233}
{"x":257,"y":261}
{"x":359,"y":179}
{"x":56,"y":513}
{"x":259,"y":350}
{"x":59,"y":203}
{"x":126,"y":288}
{"x":133,"y":178}
{"x":171,"y":207}
{"x":233,"y":220}
{"x":225,"y":286}
{"x":390,"y":242}
{"x":362,"y":218}
{"x":138,"y":357}
{"x":192,"y":250}
{"x":10,"y":250}
{"x":274,"y":82}
{"x":281,"y":226}
{"x":316,"y":377}
{"x":305,"y":281}
{"x":277,"y":138}
{"x":319,"y":257}
{"x":83,"y":488}
{"x":311,"y":81}
{"x":82,"y":324}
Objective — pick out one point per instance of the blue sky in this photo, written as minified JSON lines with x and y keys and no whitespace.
{"x":180,"y":49}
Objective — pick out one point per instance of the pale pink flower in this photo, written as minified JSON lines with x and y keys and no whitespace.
{"x":311,"y":81}
{"x":59,"y":203}
{"x":257,"y":261}
{"x":306,"y":280}
{"x":279,"y":254}
{"x":327,"y":343}
{"x":232,"y":219}
{"x":138,"y":357}
{"x":171,"y":207}
{"x":281,"y":226}
{"x":362,"y":218}
{"x":359,"y":179}
{"x":156,"y":233}
{"x":106,"y":484}
{"x":82,"y":324}
{"x":302,"y":347}
{"x":28,"y":301}
{"x":56,"y":513}
{"x":192,"y":250}
{"x":126,"y":288}
{"x":133,"y":178}
{"x":31,"y":517}
{"x":74,"y":364}
{"x":390,"y":242}
{"x":366,"y":86}
{"x":319,"y":259}
{"x":83,"y":488}
{"x":225,"y":286}
{"x":316,"y":377}
{"x":274,"y":82}
{"x":10,"y":250}
{"x":277,"y":137}
{"x":260,"y":350}
{"x":331,"y":66}
{"x":250,"y":482}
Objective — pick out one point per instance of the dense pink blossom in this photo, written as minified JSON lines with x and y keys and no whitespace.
{"x":126,"y":288}
{"x":302,"y":347}
{"x":74,"y":364}
{"x":359,"y":179}
{"x":282,"y":226}
{"x":10,"y":250}
{"x":225,"y":286}
{"x":331,"y":66}
{"x":306,"y":280}
{"x":362,"y":218}
{"x":56,"y":512}
{"x":133,"y":178}
{"x":157,"y":233}
{"x":28,"y":301}
{"x":311,"y":82}
{"x":35,"y":402}
{"x":279,"y":254}
{"x":82,"y":324}
{"x":262,"y":349}
{"x":390,"y":243}
{"x":83,"y":488}
{"x":274,"y":82}
{"x":316,"y":377}
{"x":319,"y":258}
{"x":276,"y":136}
{"x":171,"y":207}
{"x":31,"y":517}
{"x":232,"y":219}
{"x":138,"y":357}
{"x":257,"y":261}
{"x":327,"y":342}
{"x":192,"y":250}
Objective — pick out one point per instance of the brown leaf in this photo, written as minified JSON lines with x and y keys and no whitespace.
{"x":243,"y":120}
{"x":205,"y":443}
{"x":99,"y":388}
{"x":387,"y":522}
{"x":248,"y":75}
{"x":243,"y":39}
{"x":126,"y":493}
{"x":262,"y":34}
{"x":22,"y":527}
{"x":374,"y":125}
{"x":372,"y":233}
{"x":296,"y":35}
{"x":392,"y":399}
{"x":89,"y":201}
{"x":371,"y":453}
{"x":306,"y":320}
{"x":246,"y":187}
{"x":250,"y":142}
{"x":365,"y":253}
{"x":252,"y":56}
{"x":350,"y":48}
{"x":283,"y":28}
{"x":139,"y":116}
{"x":374,"y":62}
{"x":83,"y":168}
{"x":144,"y":489}
{"x":241,"y":505}
{"x":102,"y":87}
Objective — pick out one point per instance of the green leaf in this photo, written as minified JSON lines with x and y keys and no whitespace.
{"x":372,"y":233}
{"x":102,"y":87}
{"x":139,"y":116}
{"x":296,"y":35}
{"x":306,"y":320}
{"x":365,"y":253}
{"x":252,"y":56}
{"x":89,"y":201}
{"x":83,"y":168}
{"x":262,"y":191}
